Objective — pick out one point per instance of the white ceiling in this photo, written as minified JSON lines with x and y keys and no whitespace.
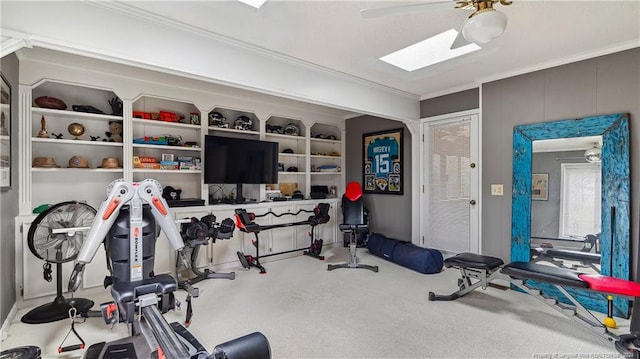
{"x":332,"y":34}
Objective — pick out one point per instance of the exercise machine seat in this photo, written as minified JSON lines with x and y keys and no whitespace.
{"x":353,"y":209}
{"x":472,"y":260}
{"x":353,"y":222}
{"x":559,"y":276}
{"x":161,"y":284}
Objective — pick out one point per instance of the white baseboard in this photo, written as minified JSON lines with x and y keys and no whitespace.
{"x":7,"y":322}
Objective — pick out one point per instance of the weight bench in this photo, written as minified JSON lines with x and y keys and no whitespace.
{"x":475,"y":271}
{"x":486,"y":268}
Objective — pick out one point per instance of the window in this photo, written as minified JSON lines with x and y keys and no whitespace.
{"x":580,"y":200}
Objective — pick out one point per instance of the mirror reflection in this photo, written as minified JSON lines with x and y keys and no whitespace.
{"x":566,"y":202}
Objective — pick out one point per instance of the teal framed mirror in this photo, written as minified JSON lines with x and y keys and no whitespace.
{"x":615,"y":192}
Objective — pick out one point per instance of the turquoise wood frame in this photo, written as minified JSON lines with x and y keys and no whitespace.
{"x":614,"y":130}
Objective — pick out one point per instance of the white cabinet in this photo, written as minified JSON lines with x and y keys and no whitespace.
{"x":326,"y":157}
{"x":162,"y":138}
{"x":110,"y":119}
{"x":69,"y":148}
{"x":311,"y":155}
{"x":167,"y":144}
{"x":292,"y":162}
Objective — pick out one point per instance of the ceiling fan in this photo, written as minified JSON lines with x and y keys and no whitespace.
{"x":482,"y":26}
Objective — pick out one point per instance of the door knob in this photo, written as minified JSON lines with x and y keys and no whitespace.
{"x":472,"y":202}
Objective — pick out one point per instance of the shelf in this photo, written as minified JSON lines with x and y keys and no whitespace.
{"x":83,"y":170}
{"x":322,"y":140}
{"x":233,"y":130}
{"x":156,"y":123}
{"x":291,"y":173}
{"x":139,"y":170}
{"x":190,"y":181}
{"x":292,"y":155}
{"x":165,"y":147}
{"x":75,"y":114}
{"x":285,"y":137}
{"x":55,"y":141}
{"x":5,"y":137}
{"x":325,"y":157}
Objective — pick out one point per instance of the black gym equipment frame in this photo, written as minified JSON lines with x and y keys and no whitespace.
{"x":244,"y":221}
{"x":207,"y":231}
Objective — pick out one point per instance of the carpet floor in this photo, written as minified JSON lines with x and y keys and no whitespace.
{"x":308,"y":312}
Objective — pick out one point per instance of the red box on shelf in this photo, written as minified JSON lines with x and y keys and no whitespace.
{"x":168,"y":116}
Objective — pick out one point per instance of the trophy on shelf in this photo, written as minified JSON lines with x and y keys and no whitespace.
{"x":76,"y":129}
{"x":43,"y":129}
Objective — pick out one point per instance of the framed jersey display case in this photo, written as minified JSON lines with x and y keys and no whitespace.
{"x":382,"y":162}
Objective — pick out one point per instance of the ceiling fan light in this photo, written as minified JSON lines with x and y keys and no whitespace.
{"x":593,"y":155}
{"x":484,"y":26}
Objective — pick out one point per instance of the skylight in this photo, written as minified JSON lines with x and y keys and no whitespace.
{"x":428,"y":52}
{"x":254,"y":3}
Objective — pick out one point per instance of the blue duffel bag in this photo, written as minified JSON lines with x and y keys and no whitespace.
{"x":406,"y":254}
{"x":423,"y":260}
{"x":375,"y":242}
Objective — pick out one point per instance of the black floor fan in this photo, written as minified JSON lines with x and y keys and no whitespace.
{"x":56,"y":236}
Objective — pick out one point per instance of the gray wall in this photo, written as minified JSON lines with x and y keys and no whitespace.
{"x":603,"y":85}
{"x":9,"y":199}
{"x":455,"y":102}
{"x":388,"y":214}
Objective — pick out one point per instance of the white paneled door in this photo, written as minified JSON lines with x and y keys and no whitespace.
{"x":449,"y":204}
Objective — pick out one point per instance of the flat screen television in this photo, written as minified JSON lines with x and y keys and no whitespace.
{"x":230,"y":160}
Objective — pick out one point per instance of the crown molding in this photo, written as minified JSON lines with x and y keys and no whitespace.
{"x":133,"y":11}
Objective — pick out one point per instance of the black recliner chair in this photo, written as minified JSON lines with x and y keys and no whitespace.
{"x":353,"y":218}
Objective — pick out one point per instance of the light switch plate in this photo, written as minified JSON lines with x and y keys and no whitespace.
{"x":496,"y":190}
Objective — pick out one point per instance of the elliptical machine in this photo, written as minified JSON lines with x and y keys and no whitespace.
{"x":126,"y":221}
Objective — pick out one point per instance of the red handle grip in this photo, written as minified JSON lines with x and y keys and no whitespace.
{"x":70,"y":348}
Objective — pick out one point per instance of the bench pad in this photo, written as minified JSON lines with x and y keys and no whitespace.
{"x":560,"y":276}
{"x":605,"y":284}
{"x":472,"y":260}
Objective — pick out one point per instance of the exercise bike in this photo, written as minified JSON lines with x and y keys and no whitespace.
{"x":126,"y":221}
